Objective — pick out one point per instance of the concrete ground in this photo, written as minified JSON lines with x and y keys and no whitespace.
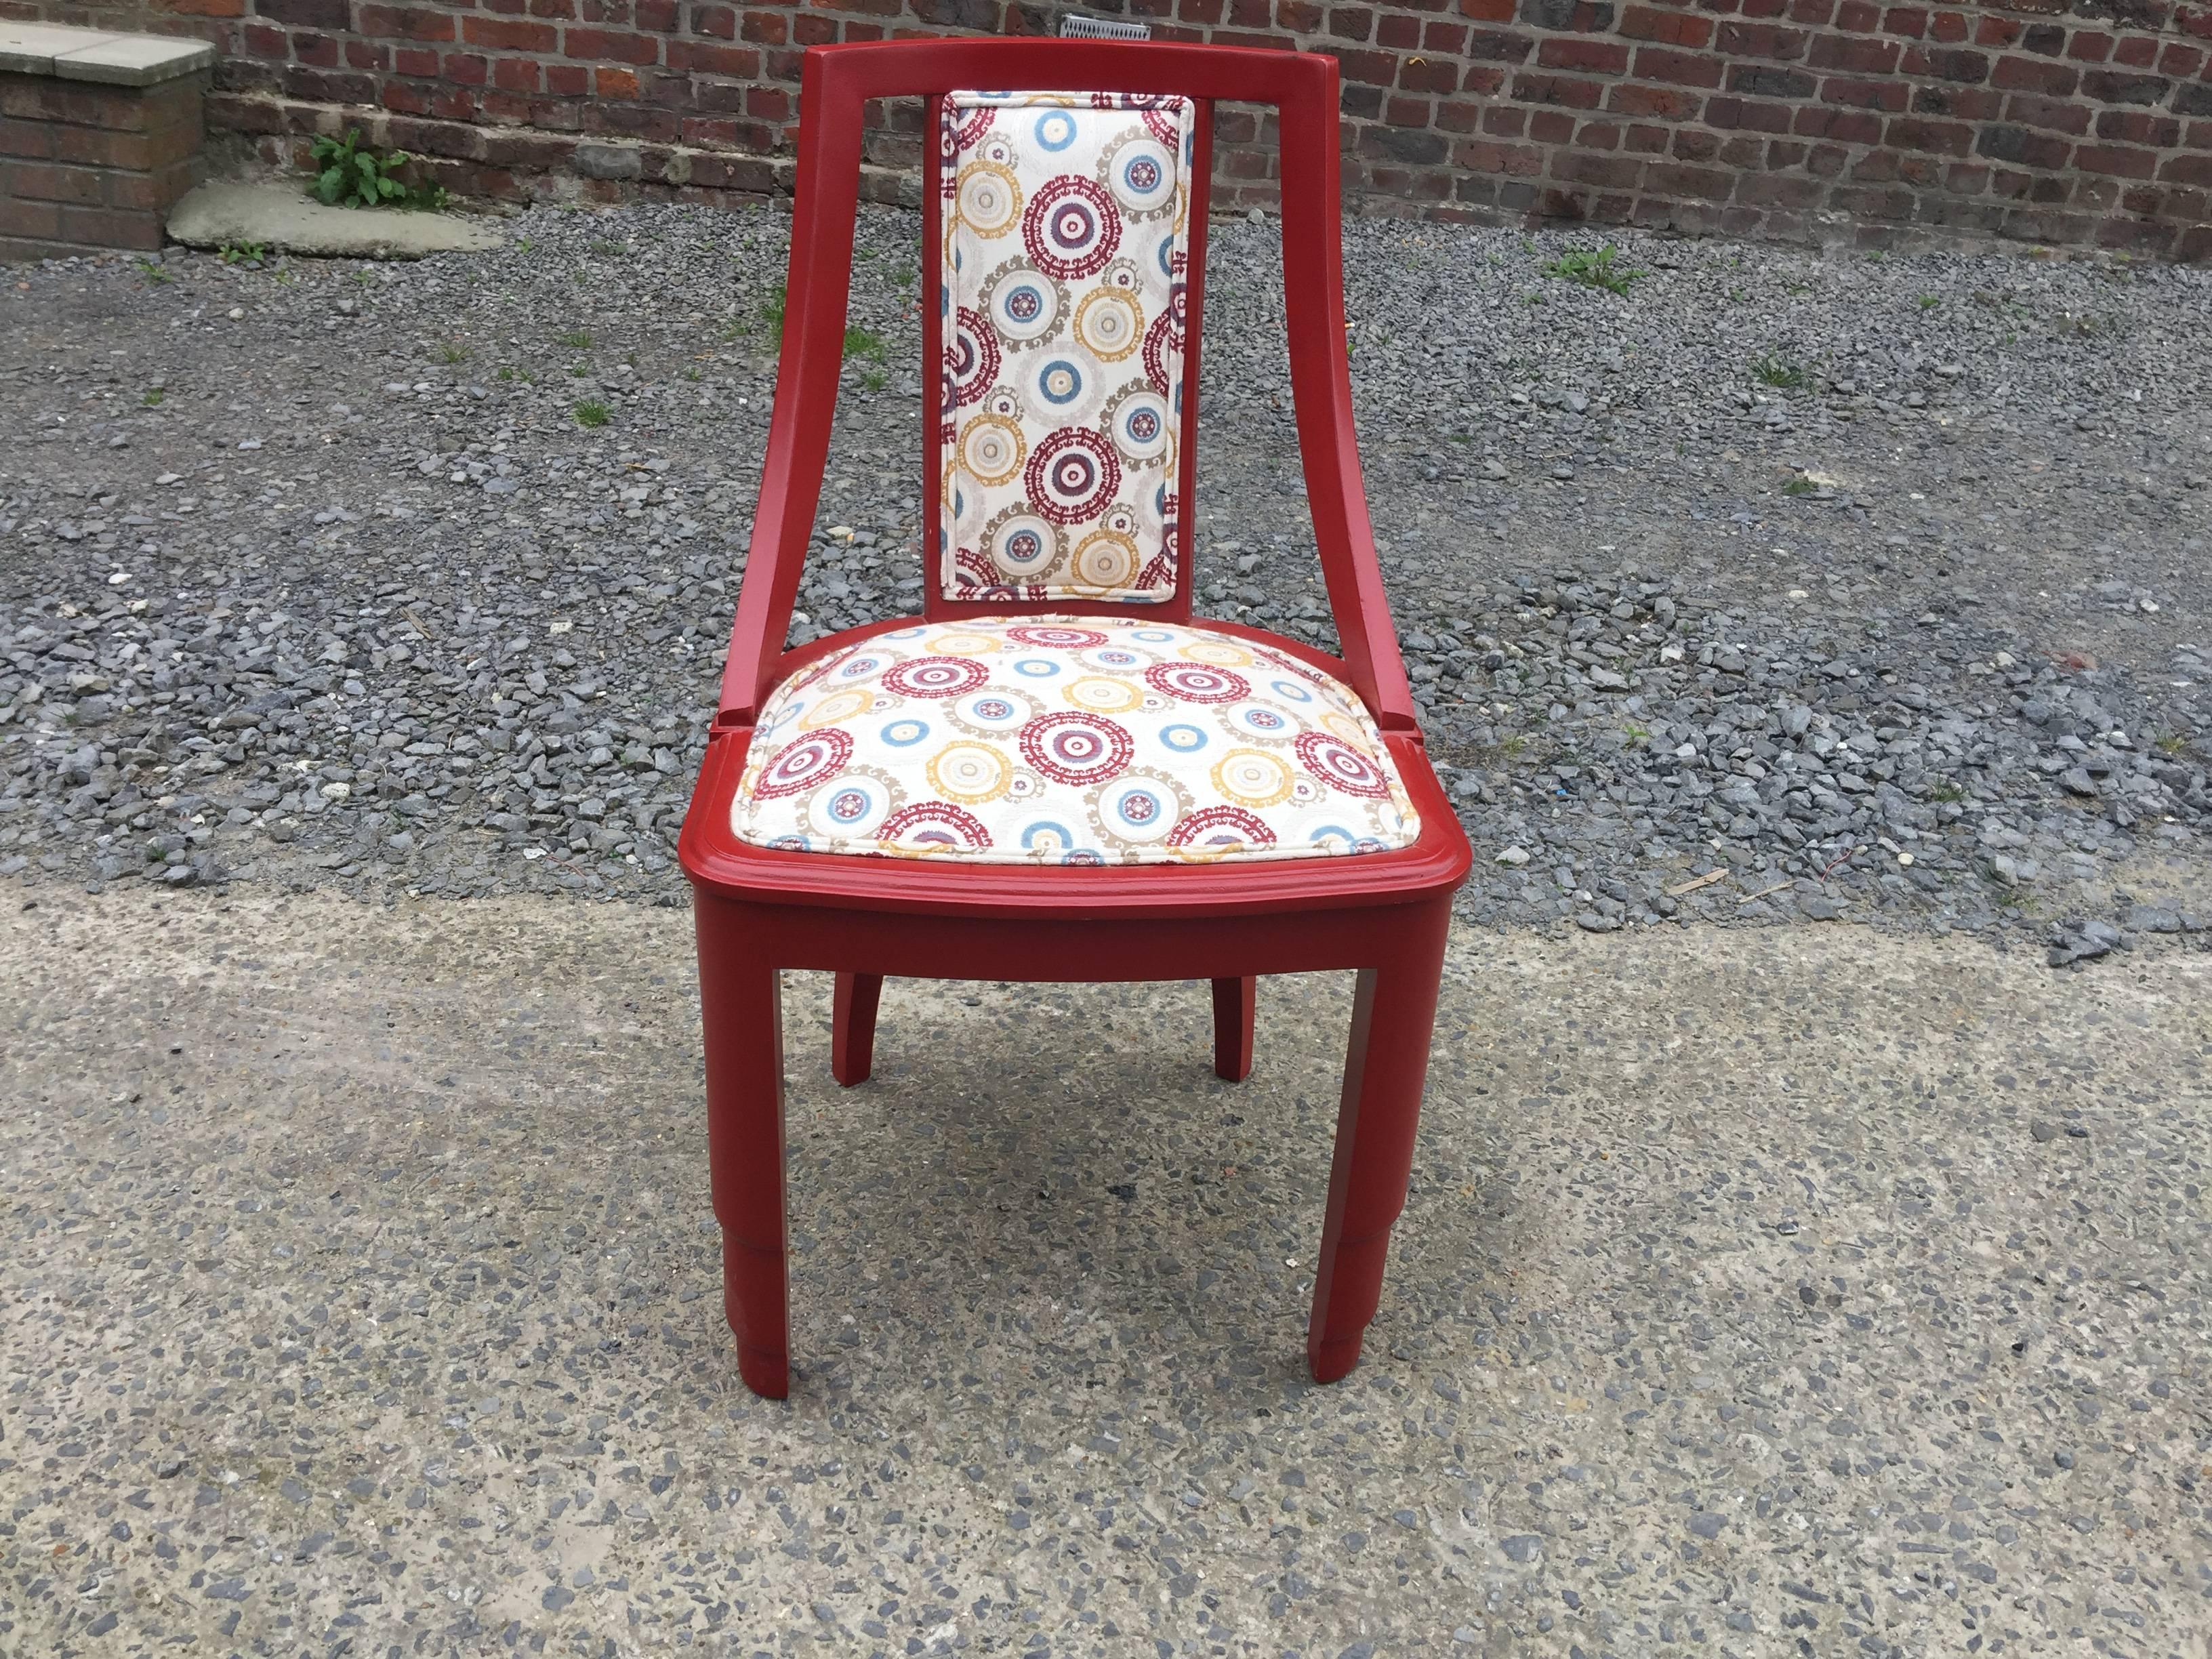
{"x":1760,"y":1292}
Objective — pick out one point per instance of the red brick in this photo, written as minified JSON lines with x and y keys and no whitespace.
{"x":1520,"y":161}
{"x":1432,"y":74}
{"x":1602,"y":57}
{"x":405,"y":22}
{"x":1700,"y":184}
{"x":1944,"y":64}
{"x":2135,"y":126}
{"x":1678,"y":68}
{"x":504,"y":34}
{"x":2117,"y":160}
{"x":610,"y":45}
{"x":2026,"y":75}
{"x":2022,"y":146}
{"x":1871,"y":57}
{"x":1892,"y":95}
{"x":1605,"y":172}
{"x":1672,"y":27}
{"x":1750,"y":115}
{"x":1845,"y":126}
{"x":2049,"y":113}
{"x":1761,"y":41}
{"x":100,"y":227}
{"x":304,"y":14}
{"x":1565,"y":90}
{"x":2112,"y":86}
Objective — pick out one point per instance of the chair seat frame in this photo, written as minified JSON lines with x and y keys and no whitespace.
{"x":760,"y":910}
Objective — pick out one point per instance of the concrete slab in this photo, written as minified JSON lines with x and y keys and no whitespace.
{"x":282,"y":216}
{"x":31,"y":48}
{"x":134,"y":60}
{"x":1791,"y":1291}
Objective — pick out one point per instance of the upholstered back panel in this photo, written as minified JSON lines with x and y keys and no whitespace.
{"x":1066,"y":226}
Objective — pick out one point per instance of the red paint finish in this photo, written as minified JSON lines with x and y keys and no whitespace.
{"x":852,"y":1027}
{"x":1381,"y":915}
{"x":1234,"y":1005}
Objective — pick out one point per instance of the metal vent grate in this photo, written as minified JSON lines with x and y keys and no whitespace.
{"x":1076,"y":27}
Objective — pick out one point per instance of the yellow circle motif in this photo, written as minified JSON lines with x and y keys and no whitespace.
{"x":1251,"y":777}
{"x":969,"y":772}
{"x":991,"y":449}
{"x":1103,"y":697}
{"x":1220,"y":654}
{"x":989,"y":197}
{"x":1109,"y":323}
{"x":836,"y":708}
{"x":1105,"y":558}
{"x":1344,"y":727}
{"x":962,"y":645}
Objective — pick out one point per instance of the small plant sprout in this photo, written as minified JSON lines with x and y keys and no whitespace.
{"x":589,"y":413}
{"x":576,"y":340}
{"x":864,"y":343}
{"x":243,"y":254}
{"x":154,"y":395}
{"x":154,"y":272}
{"x":1775,"y":370}
{"x":450,"y":352}
{"x":349,"y":173}
{"x":1929,"y":302}
{"x":1600,"y":269}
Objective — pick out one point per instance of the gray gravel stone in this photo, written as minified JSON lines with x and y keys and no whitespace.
{"x":363,"y":606}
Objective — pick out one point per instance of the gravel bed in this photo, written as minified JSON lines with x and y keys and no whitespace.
{"x":1779,"y":586}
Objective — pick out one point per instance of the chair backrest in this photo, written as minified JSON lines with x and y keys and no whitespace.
{"x":1064,"y":258}
{"x":1064,"y":276}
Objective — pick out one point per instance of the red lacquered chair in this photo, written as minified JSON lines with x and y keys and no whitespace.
{"x":1053,"y":774}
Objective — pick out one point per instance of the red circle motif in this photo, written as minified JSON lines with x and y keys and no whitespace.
{"x":1340,"y":766}
{"x":936,"y":677}
{"x":1076,"y":748}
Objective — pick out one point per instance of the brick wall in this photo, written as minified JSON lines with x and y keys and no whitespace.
{"x":2065,"y":122}
{"x":85,"y":166}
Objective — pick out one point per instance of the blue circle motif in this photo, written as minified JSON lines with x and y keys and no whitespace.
{"x":904,"y":734}
{"x":1043,"y":836}
{"x":1183,"y":739}
{"x":1055,"y":130}
{"x":1060,"y":381}
{"x":1036,"y":668}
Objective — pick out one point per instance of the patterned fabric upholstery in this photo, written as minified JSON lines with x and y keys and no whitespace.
{"x":1068,"y":740}
{"x":1065,"y":228}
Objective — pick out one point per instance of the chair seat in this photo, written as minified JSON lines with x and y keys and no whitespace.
{"x":1069,"y":740}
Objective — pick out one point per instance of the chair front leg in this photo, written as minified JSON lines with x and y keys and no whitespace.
{"x":741,"y":998}
{"x":1393,"y":1016}
{"x":1233,"y":1004}
{"x":852,"y":1027}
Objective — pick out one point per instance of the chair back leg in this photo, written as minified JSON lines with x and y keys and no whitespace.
{"x":852,"y":1027}
{"x":741,"y":1000}
{"x":1393,"y":1016}
{"x":1233,"y":1003}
